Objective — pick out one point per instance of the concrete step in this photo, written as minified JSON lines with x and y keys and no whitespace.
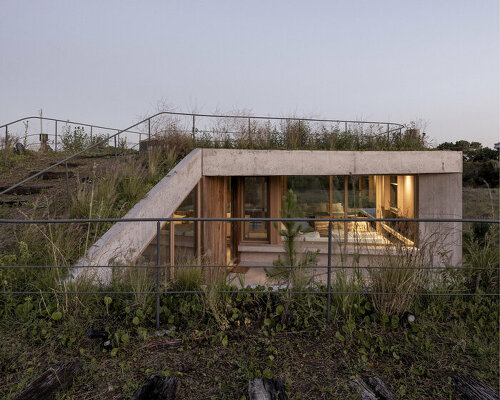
{"x":49,"y":175}
{"x":25,"y":190}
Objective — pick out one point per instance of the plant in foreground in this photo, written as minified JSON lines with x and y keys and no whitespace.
{"x":297,"y":278}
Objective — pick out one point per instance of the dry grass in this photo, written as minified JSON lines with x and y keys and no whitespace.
{"x":480,"y":202}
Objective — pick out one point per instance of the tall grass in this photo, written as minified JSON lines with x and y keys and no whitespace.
{"x":401,"y":273}
{"x":238,"y":133}
{"x":105,"y":194}
{"x":296,"y":278}
{"x":481,"y":250}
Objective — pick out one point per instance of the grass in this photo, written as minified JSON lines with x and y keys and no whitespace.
{"x":107,"y":189}
{"x":481,"y":202}
{"x":316,"y":362}
{"x":237,"y":134}
{"x":216,"y":341}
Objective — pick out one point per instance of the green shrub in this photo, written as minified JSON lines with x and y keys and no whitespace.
{"x":297,"y":278}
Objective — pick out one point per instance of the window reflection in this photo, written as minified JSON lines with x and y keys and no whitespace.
{"x":184,"y":231}
{"x":255,"y":206}
{"x":362,"y":197}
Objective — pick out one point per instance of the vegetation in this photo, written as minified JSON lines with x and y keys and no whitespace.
{"x":296,"y":278}
{"x":106,"y":193}
{"x":76,"y":139}
{"x":215,"y":344}
{"x":480,"y":163}
{"x":230,"y":133}
{"x":214,"y":340}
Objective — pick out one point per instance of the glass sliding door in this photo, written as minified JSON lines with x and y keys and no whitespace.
{"x":361,"y":197}
{"x":255,"y":205}
{"x":362,"y":205}
{"x":396,"y":195}
{"x":313,"y":198}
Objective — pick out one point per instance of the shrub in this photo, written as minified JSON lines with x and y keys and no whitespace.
{"x":401,"y":275}
{"x":74,"y":140}
{"x":297,"y":278}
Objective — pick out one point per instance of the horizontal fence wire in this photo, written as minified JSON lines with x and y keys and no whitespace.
{"x":256,"y":289}
{"x":251,"y":291}
{"x":201,"y":219}
{"x":260,"y":266}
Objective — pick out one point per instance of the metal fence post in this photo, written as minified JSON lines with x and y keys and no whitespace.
{"x":116,"y":154}
{"x":345,"y":128}
{"x":194,"y":126}
{"x":329,"y":282}
{"x":6,"y":143}
{"x":158,"y":263}
{"x":149,"y":130}
{"x":55,"y":129}
{"x":388,"y":136}
{"x":67,"y":183}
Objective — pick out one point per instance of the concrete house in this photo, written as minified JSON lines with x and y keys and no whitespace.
{"x":362,"y":185}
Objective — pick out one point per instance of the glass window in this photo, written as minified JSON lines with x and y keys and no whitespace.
{"x":255,"y":206}
{"x":312,"y":193}
{"x":396,"y":199}
{"x":393,"y":189}
{"x":362,"y":205}
{"x":362,"y":195}
{"x":368,"y":197}
{"x":338,"y":196}
{"x":185,"y":232}
{"x":338,"y":208}
{"x":318,"y":197}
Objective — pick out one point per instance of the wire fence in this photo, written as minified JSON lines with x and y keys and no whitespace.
{"x":51,"y":131}
{"x":330,"y":267}
{"x":203,"y":128}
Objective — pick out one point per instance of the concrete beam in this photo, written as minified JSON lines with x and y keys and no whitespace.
{"x":226,"y":162}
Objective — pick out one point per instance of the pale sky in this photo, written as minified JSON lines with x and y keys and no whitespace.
{"x":109,"y":62}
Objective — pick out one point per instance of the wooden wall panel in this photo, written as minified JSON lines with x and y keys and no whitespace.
{"x":237,"y":212}
{"x":214,"y":204}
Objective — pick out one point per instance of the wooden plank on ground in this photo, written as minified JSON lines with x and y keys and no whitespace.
{"x":266,"y":389}
{"x":380,"y":388}
{"x":473,"y":389}
{"x":363,"y":389}
{"x":58,"y":376}
{"x":157,"y":388}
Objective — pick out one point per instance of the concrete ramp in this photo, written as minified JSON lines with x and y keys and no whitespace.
{"x":125,"y":241}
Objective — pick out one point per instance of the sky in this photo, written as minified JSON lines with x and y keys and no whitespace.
{"x":111,"y":62}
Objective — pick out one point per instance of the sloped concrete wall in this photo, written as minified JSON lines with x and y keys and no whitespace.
{"x":126,"y":240}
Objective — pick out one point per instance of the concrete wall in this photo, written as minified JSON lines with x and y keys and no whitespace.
{"x":125,"y":241}
{"x":439,"y":192}
{"x":219,"y":162}
{"x":440,"y":196}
